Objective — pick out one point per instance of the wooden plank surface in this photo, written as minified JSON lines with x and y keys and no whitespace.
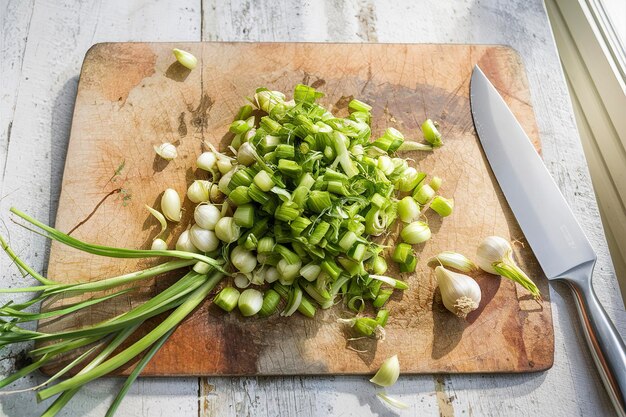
{"x":132,"y":96}
{"x":570,"y":388}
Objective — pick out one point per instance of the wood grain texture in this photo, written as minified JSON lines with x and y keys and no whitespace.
{"x":133,"y":96}
{"x":46,"y":93}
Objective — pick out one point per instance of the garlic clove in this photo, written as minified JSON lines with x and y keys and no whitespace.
{"x":460,"y":294}
{"x":158,"y":244}
{"x":166,"y":151}
{"x":205,"y":240}
{"x":199,"y":191}
{"x":186,"y":59}
{"x":206,"y":216}
{"x":170,"y":205}
{"x":452,"y":260}
{"x":388,"y":372}
{"x":184,"y":243}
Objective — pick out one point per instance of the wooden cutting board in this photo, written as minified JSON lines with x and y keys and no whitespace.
{"x":132,"y":96}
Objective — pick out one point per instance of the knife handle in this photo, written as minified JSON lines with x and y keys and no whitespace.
{"x":606,"y":345}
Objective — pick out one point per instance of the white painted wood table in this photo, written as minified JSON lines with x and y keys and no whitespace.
{"x":43,"y":44}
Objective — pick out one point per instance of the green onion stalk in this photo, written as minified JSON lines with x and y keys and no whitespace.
{"x":101,"y":338}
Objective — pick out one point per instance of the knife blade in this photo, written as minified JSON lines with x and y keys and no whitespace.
{"x":556,"y":238}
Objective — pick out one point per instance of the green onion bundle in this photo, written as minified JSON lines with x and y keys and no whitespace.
{"x":295,"y":211}
{"x":310,"y":193}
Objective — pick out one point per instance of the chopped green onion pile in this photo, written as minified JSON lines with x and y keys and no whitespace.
{"x":292,"y":215}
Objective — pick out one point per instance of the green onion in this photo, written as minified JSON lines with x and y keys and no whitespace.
{"x":382,"y":297}
{"x":227,"y":298}
{"x":431,"y":133}
{"x":442,"y":206}
{"x":250,"y":302}
{"x":358,"y":106}
{"x":287,"y":212}
{"x":310,"y":272}
{"x":270,"y":303}
{"x":379,"y":265}
{"x":424,"y":194}
{"x":390,"y":141}
{"x":402,"y":252}
{"x":415,"y":232}
{"x":408,"y":209}
{"x":305,"y":308}
{"x":244,"y":215}
{"x":266,"y":244}
{"x":319,"y":201}
{"x":289,"y":168}
{"x":263,"y":180}
{"x":239,"y":196}
{"x":435,"y":183}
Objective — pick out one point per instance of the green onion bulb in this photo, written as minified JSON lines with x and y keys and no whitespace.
{"x":385,"y":164}
{"x":424,"y":194}
{"x":241,"y":280}
{"x":206,"y":161}
{"x":184,"y":243}
{"x":408,"y":209}
{"x":224,"y":181}
{"x":243,"y":260}
{"x":310,"y":271}
{"x":227,"y":298}
{"x":442,"y":206}
{"x":226,"y":229}
{"x":198,"y":191}
{"x":250,"y":302}
{"x":206,"y":216}
{"x":224,"y":165}
{"x":186,"y":59}
{"x":271,"y":274}
{"x":203,"y":239}
{"x":159,"y":244}
{"x":416,"y":232}
{"x":170,"y":205}
{"x":202,"y":267}
{"x":246,"y":155}
{"x":431,"y":133}
{"x":288,"y":272}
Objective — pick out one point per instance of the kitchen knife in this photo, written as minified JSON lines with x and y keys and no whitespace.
{"x":555,"y":236}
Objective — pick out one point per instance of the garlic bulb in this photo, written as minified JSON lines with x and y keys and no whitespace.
{"x":388,"y":372}
{"x":206,"y":216}
{"x":495,"y":255}
{"x":206,"y":161}
{"x":158,"y":244}
{"x":460,"y":293}
{"x":166,"y":151}
{"x":184,"y":243}
{"x":205,"y":240}
{"x":198,"y":191}
{"x":170,"y":205}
